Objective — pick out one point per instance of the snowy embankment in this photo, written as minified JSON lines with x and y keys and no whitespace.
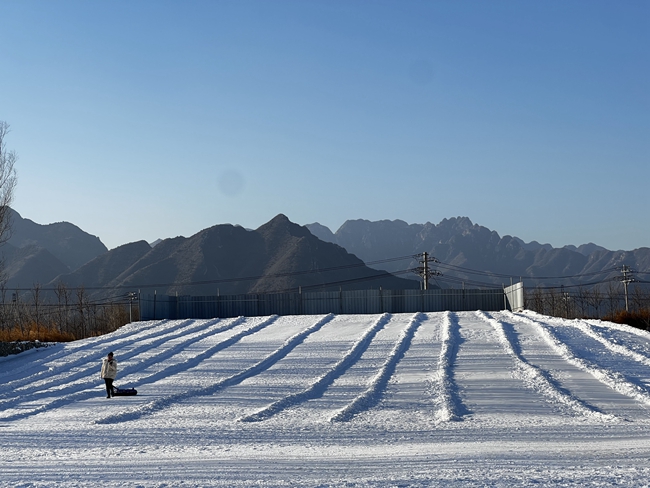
{"x":437,"y":399}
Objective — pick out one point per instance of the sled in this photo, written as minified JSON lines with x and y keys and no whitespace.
{"x":124,"y":391}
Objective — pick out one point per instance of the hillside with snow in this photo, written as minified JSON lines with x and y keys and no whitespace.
{"x":436,"y":399}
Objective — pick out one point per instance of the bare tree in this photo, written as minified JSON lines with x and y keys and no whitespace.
{"x":582,"y":301}
{"x":7,"y":183}
{"x":537,"y":301}
{"x":63,"y":298}
{"x":82,"y":305}
{"x":555,"y":303}
{"x":569,"y":305}
{"x":640,"y":298}
{"x":36,"y":296}
{"x":596,"y":299}
{"x":613,"y":298}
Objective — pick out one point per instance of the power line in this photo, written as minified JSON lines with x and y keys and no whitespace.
{"x":501,"y":275}
{"x":449,"y":279}
{"x":231,"y":280}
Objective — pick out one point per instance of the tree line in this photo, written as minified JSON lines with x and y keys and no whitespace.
{"x":606,"y":301}
{"x":60,"y":315}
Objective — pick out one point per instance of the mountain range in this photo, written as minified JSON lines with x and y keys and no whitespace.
{"x":281,"y":255}
{"x":37,"y":253}
{"x":472,"y":253}
{"x":223,"y":259}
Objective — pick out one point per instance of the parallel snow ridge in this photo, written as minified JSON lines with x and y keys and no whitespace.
{"x":613,"y":379}
{"x":538,"y":379}
{"x":78,"y":390}
{"x":372,"y":395}
{"x":589,"y":330}
{"x":69,"y":377}
{"x":596,"y":323}
{"x":164,"y":402}
{"x":623,"y":328}
{"x":142,"y":328}
{"x":442,"y":383}
{"x":321,"y":384}
{"x":80,"y":350}
{"x":209,"y":329}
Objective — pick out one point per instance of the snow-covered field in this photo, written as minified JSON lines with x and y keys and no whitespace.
{"x":437,"y":399}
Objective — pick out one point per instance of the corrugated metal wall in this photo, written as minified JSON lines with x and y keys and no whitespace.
{"x":515,"y":296}
{"x":340,"y":302}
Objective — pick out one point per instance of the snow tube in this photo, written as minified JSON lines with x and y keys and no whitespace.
{"x":124,"y":391}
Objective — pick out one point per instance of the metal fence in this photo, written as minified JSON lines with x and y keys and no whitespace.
{"x":155,"y":306}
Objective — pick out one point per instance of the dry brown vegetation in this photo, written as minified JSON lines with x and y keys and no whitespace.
{"x":639,"y":319}
{"x":69,"y":316}
{"x":33,"y":332}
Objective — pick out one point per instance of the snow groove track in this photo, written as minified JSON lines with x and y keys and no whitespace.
{"x":127,"y":335}
{"x":320,"y":385}
{"x":443,"y":387}
{"x":644,"y":334}
{"x":400,"y":379}
{"x":538,"y":379}
{"x":589,"y":330}
{"x":87,"y":365}
{"x":80,"y":366}
{"x":76,"y":390}
{"x":164,"y":402}
{"x":613,"y":379}
{"x":372,"y":395}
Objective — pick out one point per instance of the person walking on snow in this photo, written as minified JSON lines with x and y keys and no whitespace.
{"x":109,"y":372}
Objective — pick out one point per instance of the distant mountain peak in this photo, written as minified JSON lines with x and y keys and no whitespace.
{"x":281,"y":225}
{"x":65,"y":241}
{"x":457,"y":222}
{"x":322,"y":232}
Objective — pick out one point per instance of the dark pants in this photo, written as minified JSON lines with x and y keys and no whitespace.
{"x":109,"y":387}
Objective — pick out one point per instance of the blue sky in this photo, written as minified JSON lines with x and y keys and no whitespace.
{"x":146,"y":119}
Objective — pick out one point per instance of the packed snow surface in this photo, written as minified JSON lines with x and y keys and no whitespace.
{"x":435,"y":399}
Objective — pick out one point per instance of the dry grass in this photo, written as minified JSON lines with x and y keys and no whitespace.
{"x":640,"y":319}
{"x":33,"y":332}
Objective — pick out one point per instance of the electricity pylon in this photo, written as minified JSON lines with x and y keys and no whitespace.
{"x":424,"y":271}
{"x":626,"y":279}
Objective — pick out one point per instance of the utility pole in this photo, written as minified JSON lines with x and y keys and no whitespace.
{"x":424,"y":271}
{"x":131,"y":296}
{"x":626,"y":280}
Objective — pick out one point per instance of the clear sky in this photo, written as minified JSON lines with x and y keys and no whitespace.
{"x":151,"y":119}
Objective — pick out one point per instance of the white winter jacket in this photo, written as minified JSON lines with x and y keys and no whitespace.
{"x":109,"y":368}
